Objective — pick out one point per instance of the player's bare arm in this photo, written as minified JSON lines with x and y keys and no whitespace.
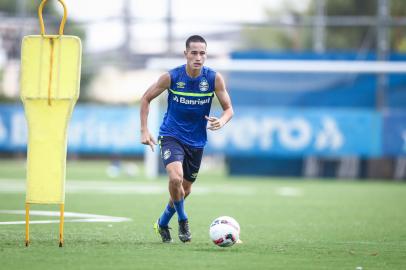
{"x":153,"y":91}
{"x":225,"y":102}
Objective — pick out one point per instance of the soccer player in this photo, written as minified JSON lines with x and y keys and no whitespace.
{"x":182,"y":135}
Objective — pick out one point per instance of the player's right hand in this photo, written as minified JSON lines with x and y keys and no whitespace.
{"x":147,"y":139}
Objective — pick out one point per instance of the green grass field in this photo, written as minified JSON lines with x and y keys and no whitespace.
{"x":285,"y":223}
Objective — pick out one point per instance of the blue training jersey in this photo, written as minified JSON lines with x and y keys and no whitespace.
{"x":189,"y":100}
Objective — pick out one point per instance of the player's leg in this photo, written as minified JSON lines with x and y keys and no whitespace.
{"x":170,"y":208}
{"x":187,"y":188}
{"x":162,"y":225}
{"x":184,"y":231}
{"x":175,"y":192}
{"x":191,"y":166}
{"x":175,"y":173}
{"x":172,"y":157}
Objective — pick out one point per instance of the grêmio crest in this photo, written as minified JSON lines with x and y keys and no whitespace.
{"x":203,"y":85}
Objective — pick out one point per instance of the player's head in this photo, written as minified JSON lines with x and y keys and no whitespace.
{"x":195,"y":52}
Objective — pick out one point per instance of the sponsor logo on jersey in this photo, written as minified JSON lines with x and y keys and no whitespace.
{"x":180,"y":85}
{"x":199,"y":101}
{"x":204,"y":85}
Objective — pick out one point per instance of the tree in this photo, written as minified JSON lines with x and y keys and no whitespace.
{"x":269,"y":37}
{"x":336,"y":37}
{"x":52,"y":14}
{"x":52,"y":10}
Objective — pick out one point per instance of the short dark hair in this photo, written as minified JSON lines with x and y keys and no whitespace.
{"x":195,"y":38}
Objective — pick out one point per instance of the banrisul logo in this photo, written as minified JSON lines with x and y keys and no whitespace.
{"x":204,"y":85}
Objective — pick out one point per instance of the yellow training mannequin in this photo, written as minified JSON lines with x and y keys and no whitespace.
{"x":50,"y":80}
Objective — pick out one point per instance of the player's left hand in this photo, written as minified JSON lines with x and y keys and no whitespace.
{"x":214,"y":122}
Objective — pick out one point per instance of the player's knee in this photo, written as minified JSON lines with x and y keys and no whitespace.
{"x":175,"y":180}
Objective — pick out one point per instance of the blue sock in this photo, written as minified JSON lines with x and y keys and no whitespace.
{"x":180,"y":209}
{"x":166,"y":216}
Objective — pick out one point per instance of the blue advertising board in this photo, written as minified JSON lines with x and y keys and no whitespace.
{"x":93,"y":129}
{"x":254,"y":131}
{"x":13,"y":128}
{"x":394,"y":134}
{"x":258,"y":131}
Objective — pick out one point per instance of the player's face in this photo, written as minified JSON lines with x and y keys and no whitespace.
{"x":195,"y":55}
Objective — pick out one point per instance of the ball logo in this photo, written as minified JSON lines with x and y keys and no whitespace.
{"x":204,"y":85}
{"x":167,"y":154}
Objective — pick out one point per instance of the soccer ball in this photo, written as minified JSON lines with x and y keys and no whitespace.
{"x":224,"y":231}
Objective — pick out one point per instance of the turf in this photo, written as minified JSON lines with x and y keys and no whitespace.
{"x":285,"y":224}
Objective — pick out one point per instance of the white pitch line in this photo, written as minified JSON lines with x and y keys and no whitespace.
{"x":288,"y":192}
{"x":80,"y":217}
{"x":111,"y":187}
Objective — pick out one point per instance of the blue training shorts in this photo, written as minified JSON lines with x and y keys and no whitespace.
{"x":173,"y":150}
